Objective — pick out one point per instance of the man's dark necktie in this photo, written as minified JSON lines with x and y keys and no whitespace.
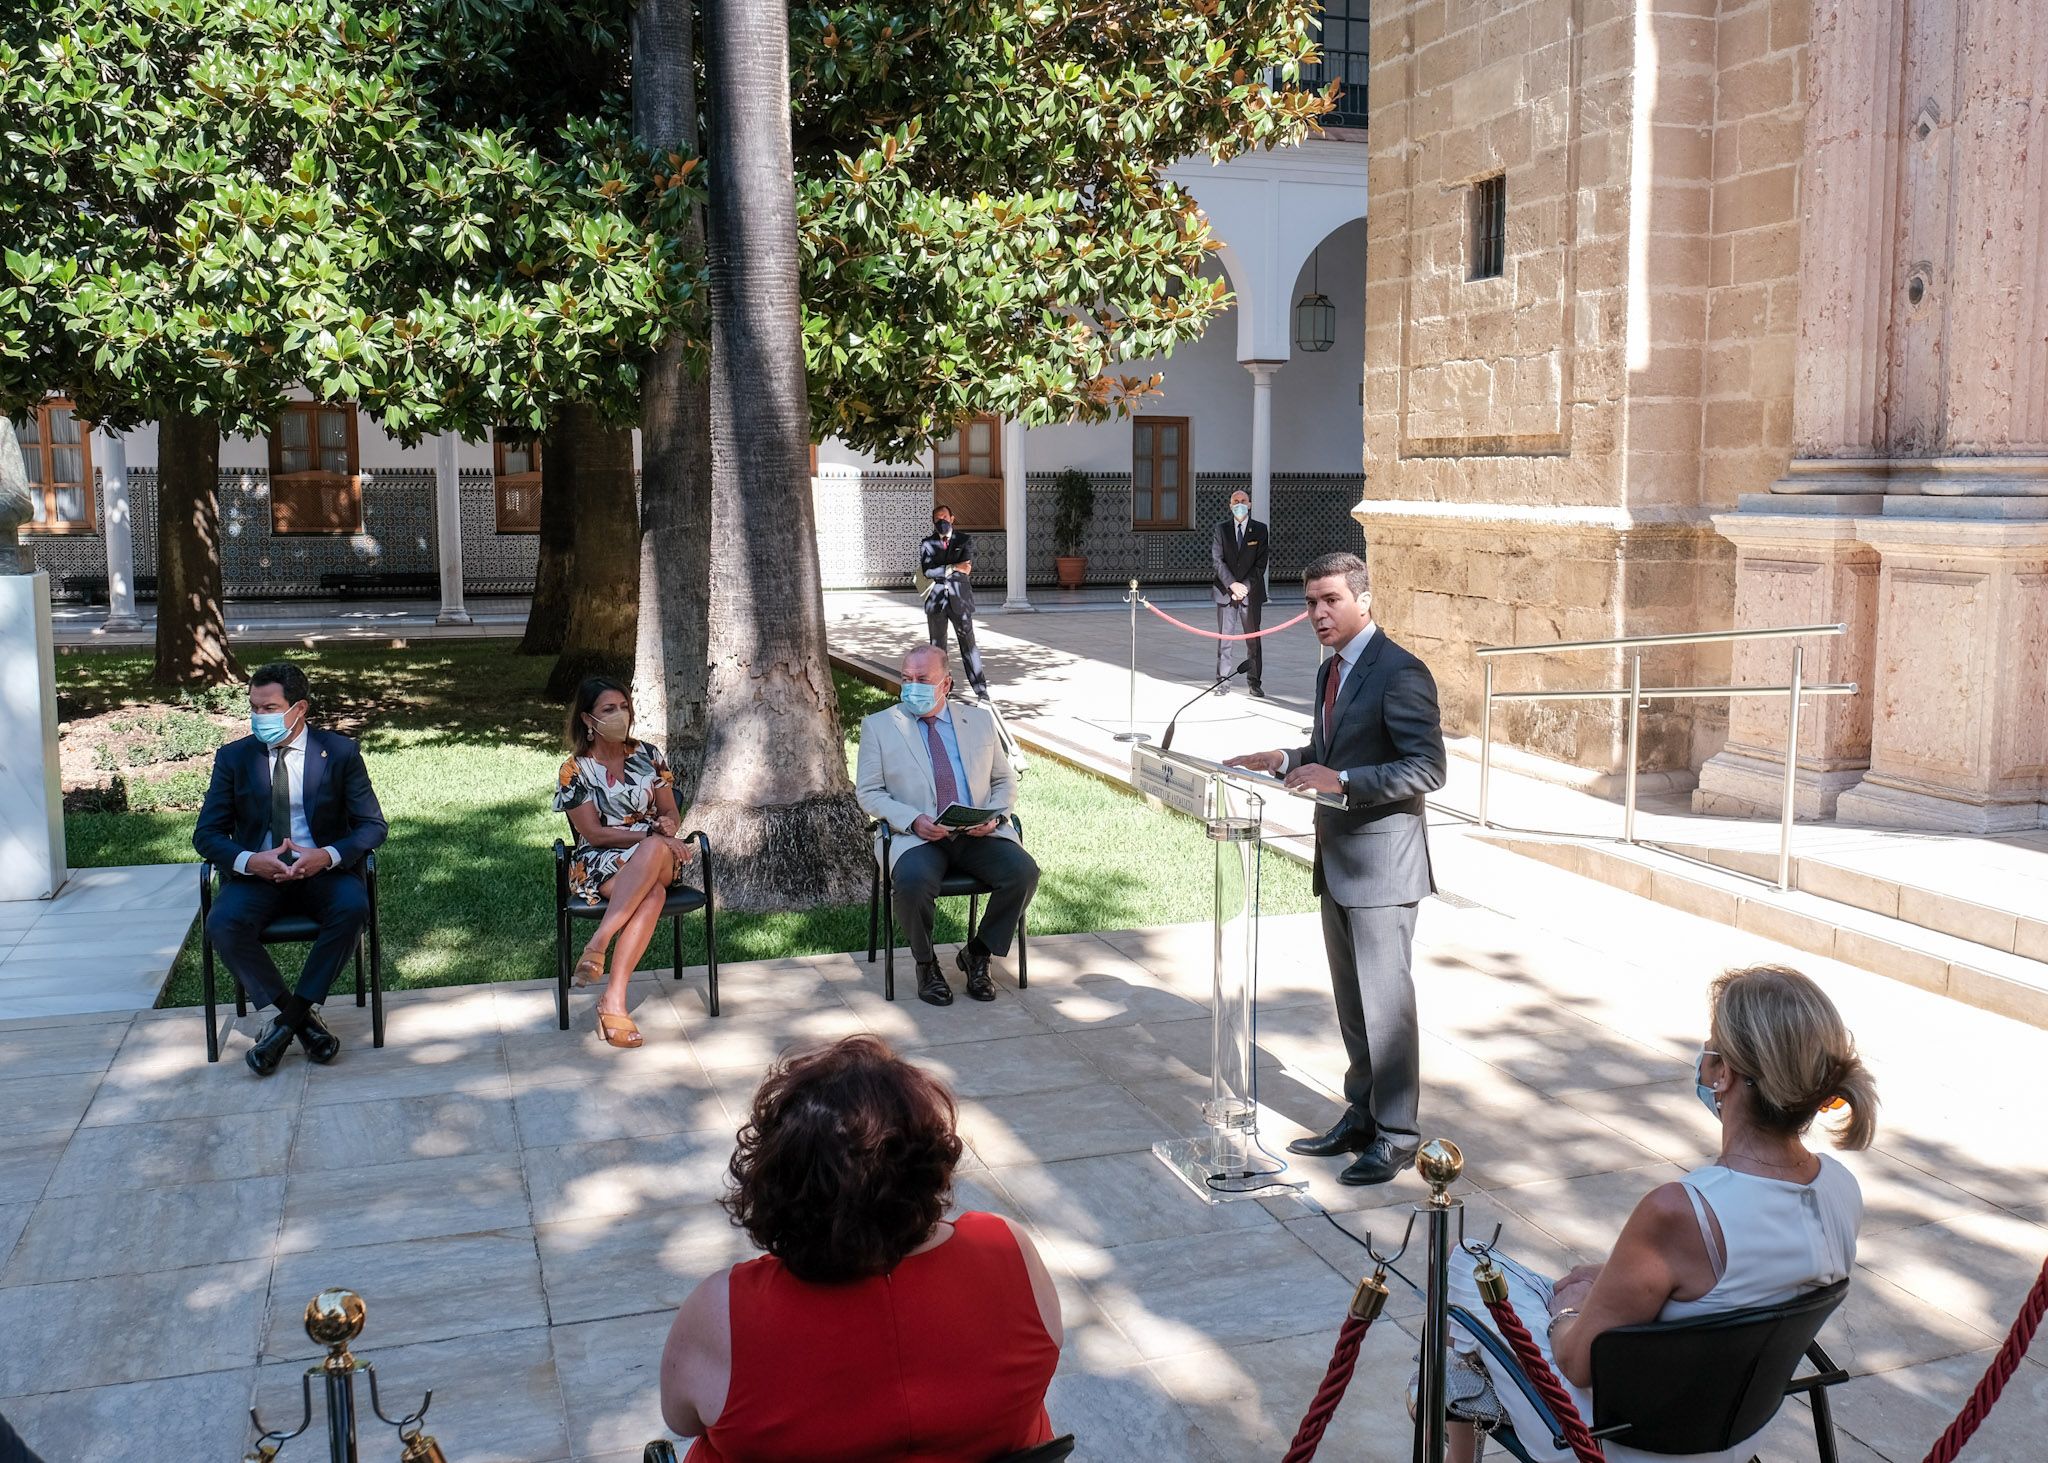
{"x":1330,"y":695}
{"x":280,"y":802}
{"x":942,"y":765}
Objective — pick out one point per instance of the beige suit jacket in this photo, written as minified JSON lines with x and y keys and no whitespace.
{"x":893,"y":777}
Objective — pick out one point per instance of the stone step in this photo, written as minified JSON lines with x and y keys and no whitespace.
{"x":1978,"y":921}
{"x":1963,"y":969}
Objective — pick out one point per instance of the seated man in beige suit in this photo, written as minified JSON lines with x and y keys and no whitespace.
{"x":916,"y":760}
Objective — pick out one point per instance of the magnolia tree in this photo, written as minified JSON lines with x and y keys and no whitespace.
{"x":452,"y":215}
{"x":981,"y":223}
{"x":214,"y":204}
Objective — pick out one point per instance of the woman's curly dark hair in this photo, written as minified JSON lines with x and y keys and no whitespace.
{"x":845,"y":1163}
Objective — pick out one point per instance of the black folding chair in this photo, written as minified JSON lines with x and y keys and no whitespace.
{"x":291,"y":929}
{"x":681,"y":900}
{"x":882,"y":911}
{"x":1693,"y":1386}
{"x":1056,"y":1451}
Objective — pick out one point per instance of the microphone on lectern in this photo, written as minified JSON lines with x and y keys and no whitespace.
{"x":1166,"y":742}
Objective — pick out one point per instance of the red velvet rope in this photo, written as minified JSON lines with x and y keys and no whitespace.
{"x":1997,"y":1374}
{"x":1212,"y":635}
{"x":1343,"y":1359}
{"x":1538,"y":1371}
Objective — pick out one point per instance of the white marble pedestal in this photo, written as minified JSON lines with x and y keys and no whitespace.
{"x":31,"y":797}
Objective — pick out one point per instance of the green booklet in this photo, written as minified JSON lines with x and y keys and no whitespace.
{"x":959,"y":815}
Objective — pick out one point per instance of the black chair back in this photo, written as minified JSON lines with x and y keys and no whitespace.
{"x":1700,"y":1385}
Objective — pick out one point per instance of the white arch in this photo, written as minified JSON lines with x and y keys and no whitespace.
{"x":1271,"y":210}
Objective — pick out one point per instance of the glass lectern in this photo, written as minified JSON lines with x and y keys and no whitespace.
{"x":1225,"y":1161}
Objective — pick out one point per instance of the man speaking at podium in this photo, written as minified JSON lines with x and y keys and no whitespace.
{"x":1378,"y":744}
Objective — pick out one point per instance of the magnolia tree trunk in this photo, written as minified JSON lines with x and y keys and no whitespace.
{"x":774,"y":795}
{"x":670,"y":672}
{"x":604,"y":599}
{"x":191,"y":630}
{"x":547,"y":617}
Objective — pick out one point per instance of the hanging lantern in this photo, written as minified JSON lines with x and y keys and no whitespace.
{"x":1315,"y":318}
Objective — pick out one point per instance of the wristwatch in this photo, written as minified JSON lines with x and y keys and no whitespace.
{"x":1344,"y":783}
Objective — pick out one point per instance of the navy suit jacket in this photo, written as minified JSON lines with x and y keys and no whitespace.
{"x":341,"y":807}
{"x":1388,"y":739}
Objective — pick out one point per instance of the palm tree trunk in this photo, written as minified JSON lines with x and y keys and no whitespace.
{"x":547,"y":617}
{"x":604,"y":600}
{"x":191,"y":628}
{"x":774,"y":795}
{"x":671,"y":671}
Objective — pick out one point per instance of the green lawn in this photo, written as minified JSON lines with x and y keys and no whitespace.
{"x":463,"y":748}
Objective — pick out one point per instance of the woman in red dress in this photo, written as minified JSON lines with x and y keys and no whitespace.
{"x":874,"y":1327}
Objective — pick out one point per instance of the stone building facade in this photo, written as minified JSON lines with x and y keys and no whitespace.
{"x":1765,"y":343}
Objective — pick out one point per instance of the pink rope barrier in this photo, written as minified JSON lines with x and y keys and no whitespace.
{"x":1213,"y":635}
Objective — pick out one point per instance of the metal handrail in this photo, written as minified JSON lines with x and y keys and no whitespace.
{"x":1689,"y":637}
{"x":1635,"y":695}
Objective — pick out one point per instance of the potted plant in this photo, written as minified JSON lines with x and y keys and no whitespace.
{"x":1073,"y":504}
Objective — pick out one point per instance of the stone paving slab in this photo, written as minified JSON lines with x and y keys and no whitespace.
{"x":106,"y":942}
{"x":523,"y":1208}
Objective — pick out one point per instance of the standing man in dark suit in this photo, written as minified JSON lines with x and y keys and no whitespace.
{"x":1237,"y":554}
{"x":288,"y":818}
{"x":1377,"y":743}
{"x":944,"y":561}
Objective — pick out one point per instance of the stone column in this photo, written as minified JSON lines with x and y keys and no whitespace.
{"x":110,"y":452}
{"x":32,"y":863}
{"x":1959,"y":734}
{"x":1263,"y":373}
{"x":1996,"y":354}
{"x":1016,"y":526}
{"x":448,"y":527}
{"x":1796,"y":569}
{"x":1849,"y":185}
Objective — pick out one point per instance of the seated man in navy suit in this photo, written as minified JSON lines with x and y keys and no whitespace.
{"x":288,"y":819}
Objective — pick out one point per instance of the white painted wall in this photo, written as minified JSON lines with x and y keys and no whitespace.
{"x":1318,"y":424}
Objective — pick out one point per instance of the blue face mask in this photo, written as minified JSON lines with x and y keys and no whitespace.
{"x":920,"y":699}
{"x":269,"y":727}
{"x":1240,"y":511}
{"x":1701,"y":1086}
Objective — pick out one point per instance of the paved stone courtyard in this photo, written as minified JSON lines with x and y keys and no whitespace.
{"x":522,"y":1208}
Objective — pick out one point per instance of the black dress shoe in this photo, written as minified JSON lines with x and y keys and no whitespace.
{"x":1381,"y":1162}
{"x":270,"y":1048}
{"x":980,"y":986}
{"x":1353,"y":1133}
{"x":931,"y":985}
{"x":321,"y":1045}
{"x":1258,"y":691}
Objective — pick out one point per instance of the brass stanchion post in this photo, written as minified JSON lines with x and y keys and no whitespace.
{"x":1439,"y":1163}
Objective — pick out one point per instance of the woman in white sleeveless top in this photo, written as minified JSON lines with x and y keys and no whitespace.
{"x":1764,"y":1221}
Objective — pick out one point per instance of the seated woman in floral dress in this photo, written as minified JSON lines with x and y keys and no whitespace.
{"x":621,"y":802}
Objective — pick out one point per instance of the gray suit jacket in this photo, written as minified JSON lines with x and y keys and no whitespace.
{"x":893,"y":778}
{"x":1388,"y":739}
